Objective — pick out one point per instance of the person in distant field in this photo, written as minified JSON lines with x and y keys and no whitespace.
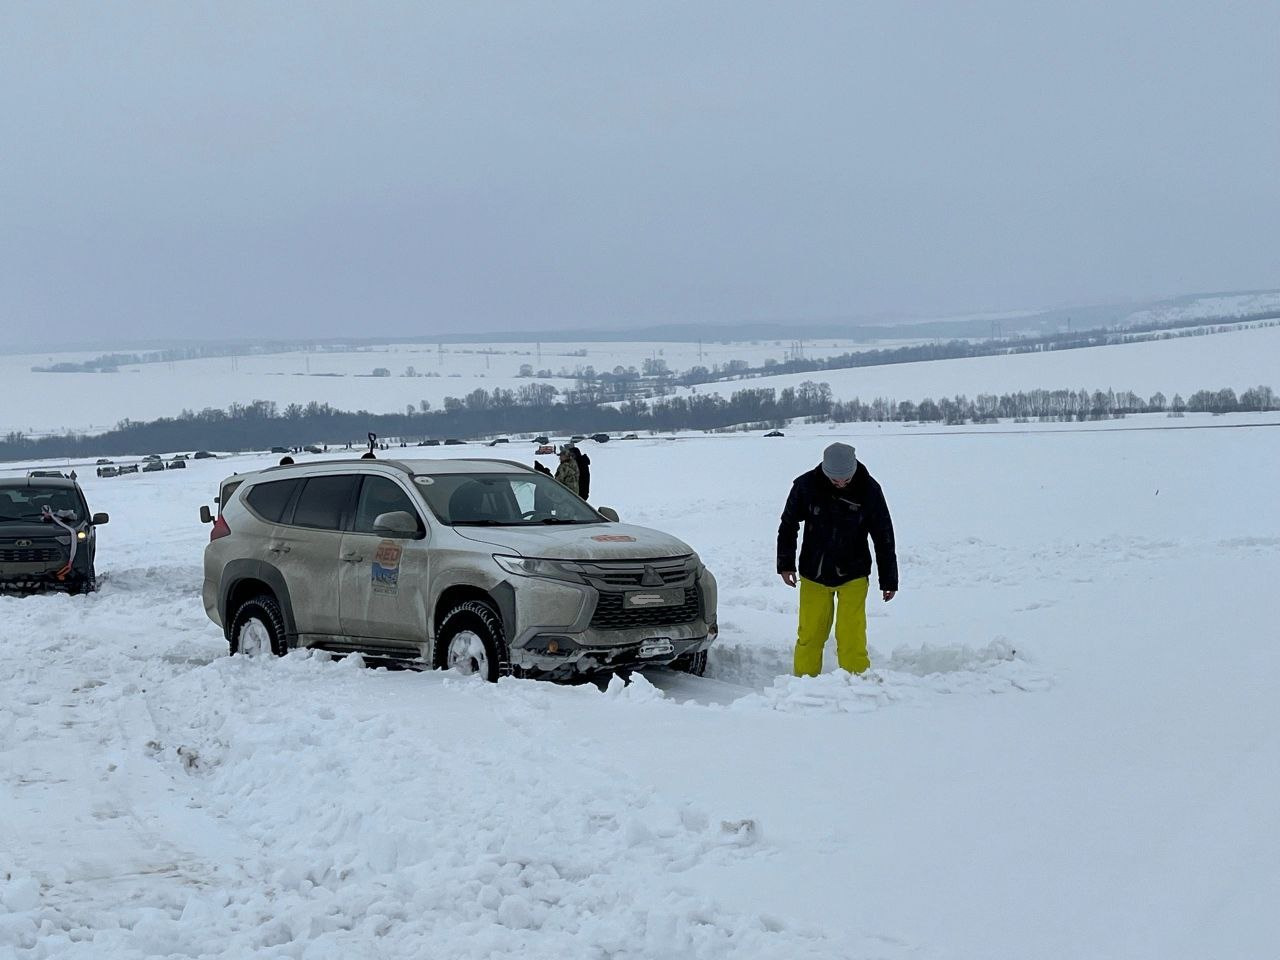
{"x":584,"y":472}
{"x":840,"y":505}
{"x":567,"y":472}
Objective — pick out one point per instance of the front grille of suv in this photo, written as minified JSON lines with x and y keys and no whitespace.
{"x":669,"y":572}
{"x":612,"y":615}
{"x":28,"y":555}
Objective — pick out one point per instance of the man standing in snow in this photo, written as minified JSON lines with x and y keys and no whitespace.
{"x":567,"y":472}
{"x":840,"y":505}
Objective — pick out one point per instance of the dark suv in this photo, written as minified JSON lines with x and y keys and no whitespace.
{"x":47,"y":535}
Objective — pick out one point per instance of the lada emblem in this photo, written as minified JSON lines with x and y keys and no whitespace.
{"x":22,"y":543}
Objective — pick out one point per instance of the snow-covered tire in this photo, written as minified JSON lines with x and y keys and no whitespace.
{"x":694,"y":663}
{"x":82,"y":585}
{"x":470,"y":641}
{"x":257,"y":629}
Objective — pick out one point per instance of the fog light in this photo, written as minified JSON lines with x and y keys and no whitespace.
{"x":82,"y":535}
{"x":713,"y":631}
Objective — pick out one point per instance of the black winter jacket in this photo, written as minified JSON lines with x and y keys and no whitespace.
{"x":584,"y":473}
{"x":836,"y":526}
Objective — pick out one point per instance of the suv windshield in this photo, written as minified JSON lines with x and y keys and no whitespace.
{"x":27,"y":502}
{"x":502,"y":499}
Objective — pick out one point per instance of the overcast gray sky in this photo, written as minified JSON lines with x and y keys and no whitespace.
{"x":276,"y":169}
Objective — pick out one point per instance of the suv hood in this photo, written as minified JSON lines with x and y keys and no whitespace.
{"x":39,"y":530}
{"x":621,"y":541}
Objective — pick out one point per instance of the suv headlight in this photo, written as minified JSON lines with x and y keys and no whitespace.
{"x":538,"y":567}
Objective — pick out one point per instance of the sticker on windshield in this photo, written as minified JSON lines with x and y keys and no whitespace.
{"x":613,"y":538}
{"x":385,"y":574}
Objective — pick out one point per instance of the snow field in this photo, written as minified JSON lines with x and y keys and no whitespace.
{"x":94,"y":402}
{"x":1067,"y":746}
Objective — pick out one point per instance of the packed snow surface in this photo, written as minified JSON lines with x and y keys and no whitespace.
{"x":1068,"y":745}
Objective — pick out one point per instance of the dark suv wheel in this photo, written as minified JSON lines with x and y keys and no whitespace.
{"x":257,"y":628}
{"x":470,"y":641}
{"x":695,"y":663}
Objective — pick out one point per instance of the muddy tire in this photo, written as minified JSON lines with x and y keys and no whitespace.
{"x":694,"y":663}
{"x":257,"y":629}
{"x":470,"y":641}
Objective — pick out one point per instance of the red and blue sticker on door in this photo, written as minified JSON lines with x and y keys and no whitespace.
{"x":385,"y":573}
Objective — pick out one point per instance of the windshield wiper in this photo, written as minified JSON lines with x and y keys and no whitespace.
{"x":482,"y":523}
{"x":560,"y":520}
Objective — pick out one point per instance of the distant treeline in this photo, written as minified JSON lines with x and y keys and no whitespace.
{"x":962,"y":349}
{"x":481,"y":413}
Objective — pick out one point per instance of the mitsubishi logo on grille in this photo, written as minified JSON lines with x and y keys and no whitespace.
{"x":651,"y":578}
{"x":22,"y":543}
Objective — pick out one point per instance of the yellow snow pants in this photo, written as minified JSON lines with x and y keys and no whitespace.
{"x":819,"y":605}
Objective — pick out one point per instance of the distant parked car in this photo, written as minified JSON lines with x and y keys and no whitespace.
{"x":451,"y":442}
{"x":45,"y":473}
{"x":279,"y":449}
{"x":541,"y":440}
{"x":153,"y":466}
{"x":313,"y":448}
{"x":128,"y":468}
{"x":151,"y":458}
{"x":108,"y":472}
{"x":600,"y":437}
{"x":545,"y":449}
{"x":577,"y":436}
{"x":102,"y":460}
{"x":433,"y":443}
{"x":176,"y":464}
{"x":775,"y":433}
{"x":203,"y":455}
{"x":631,"y":436}
{"x":47,"y":535}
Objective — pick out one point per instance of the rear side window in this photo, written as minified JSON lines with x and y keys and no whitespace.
{"x":323,"y":502}
{"x":269,"y":500}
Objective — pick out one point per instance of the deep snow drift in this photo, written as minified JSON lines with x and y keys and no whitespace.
{"x":1069,"y":747}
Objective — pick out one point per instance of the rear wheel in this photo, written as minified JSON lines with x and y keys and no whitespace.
{"x":257,"y":629}
{"x":470,"y":641}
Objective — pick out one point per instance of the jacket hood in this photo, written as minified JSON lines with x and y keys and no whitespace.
{"x":586,"y":541}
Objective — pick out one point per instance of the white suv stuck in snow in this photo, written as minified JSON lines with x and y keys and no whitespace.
{"x":484,"y":566}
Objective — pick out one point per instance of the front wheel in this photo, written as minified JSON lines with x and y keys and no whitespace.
{"x":694,"y":663}
{"x":257,"y":629}
{"x":470,"y":641}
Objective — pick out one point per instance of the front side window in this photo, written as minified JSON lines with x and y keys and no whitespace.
{"x":497,"y":499}
{"x":323,"y":502}
{"x":378,"y":495}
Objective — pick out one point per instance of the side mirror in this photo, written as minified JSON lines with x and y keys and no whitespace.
{"x":205,"y":515}
{"x":399,"y":522}
{"x":99,"y":519}
{"x":609,"y":514}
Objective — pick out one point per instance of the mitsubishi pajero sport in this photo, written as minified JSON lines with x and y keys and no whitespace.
{"x":482,"y":566}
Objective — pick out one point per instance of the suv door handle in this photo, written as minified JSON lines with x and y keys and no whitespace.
{"x":351,"y":557}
